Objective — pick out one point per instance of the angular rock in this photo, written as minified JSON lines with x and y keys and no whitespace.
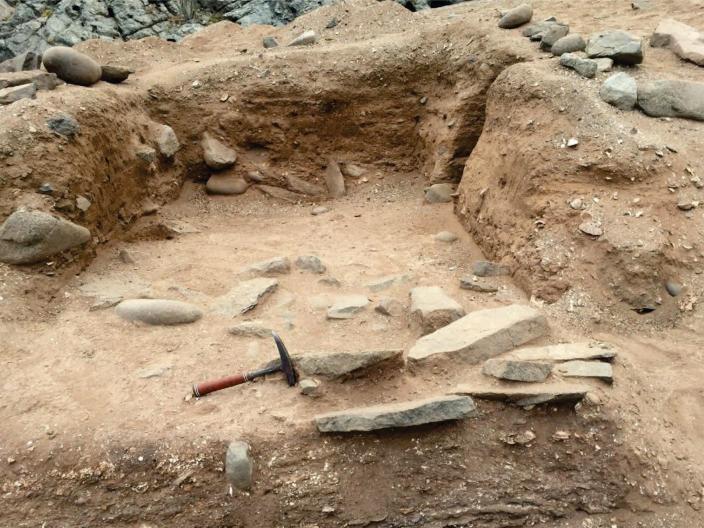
{"x":620,"y":46}
{"x":216,"y":155}
{"x":166,"y":140}
{"x":551,"y":35}
{"x":346,"y":306}
{"x":516,"y":17}
{"x":71,"y":66}
{"x":158,"y":311}
{"x":250,"y":329}
{"x":82,"y":203}
{"x":584,"y":67}
{"x":270,"y":42}
{"x":41,"y":79}
{"x":586,"y":369}
{"x":272,"y":266}
{"x":445,"y":236}
{"x":334,"y":180}
{"x":481,"y":335}
{"x":64,"y":125}
{"x":685,"y":41}
{"x":525,"y":395}
{"x":389,"y":307}
{"x":474,"y":285}
{"x":27,"y":237}
{"x":280,"y":194}
{"x":484,"y":268}
{"x":310,"y":263}
{"x":406,"y":414}
{"x":29,"y":60}
{"x":338,"y":364}
{"x":620,"y":90}
{"x":226,"y":184}
{"x":245,"y":296}
{"x":309,"y":387}
{"x":591,"y":228}
{"x":15,"y":93}
{"x":115,"y":74}
{"x":387,"y":281}
{"x":304,"y":39}
{"x":433,"y":308}
{"x":568,"y":44}
{"x":238,"y":465}
{"x":145,"y":153}
{"x":604,"y":65}
{"x":514,"y":370}
{"x":669,"y":98}
{"x":439,"y":193}
{"x":537,"y":30}
{"x":566,"y":352}
{"x":301,"y":186}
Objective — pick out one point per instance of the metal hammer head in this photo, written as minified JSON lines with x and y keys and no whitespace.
{"x":286,"y":363}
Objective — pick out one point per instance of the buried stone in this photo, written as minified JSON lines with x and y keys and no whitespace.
{"x":238,"y":465}
{"x":64,"y":125}
{"x":158,"y":311}
{"x":484,"y":268}
{"x":310,"y":263}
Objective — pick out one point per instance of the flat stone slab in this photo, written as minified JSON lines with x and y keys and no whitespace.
{"x":346,"y":306}
{"x":387,"y":281}
{"x":433,"y":308}
{"x":567,"y":352}
{"x":337,"y":364}
{"x":158,"y":311}
{"x":685,"y":41}
{"x":586,"y":369}
{"x":525,"y":395}
{"x":406,"y":414}
{"x":245,"y":296}
{"x":481,"y":335}
{"x":516,"y":370}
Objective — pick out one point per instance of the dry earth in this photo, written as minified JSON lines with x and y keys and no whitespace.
{"x":97,"y":428}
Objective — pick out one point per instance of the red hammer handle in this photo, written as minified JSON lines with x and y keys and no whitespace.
{"x":201,"y":389}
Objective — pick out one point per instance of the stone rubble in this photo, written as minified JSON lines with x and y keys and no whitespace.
{"x":439,"y":193}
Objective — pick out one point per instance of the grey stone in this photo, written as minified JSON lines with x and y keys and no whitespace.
{"x":515,"y":370}
{"x":216,"y":155}
{"x":250,"y":329}
{"x":685,"y":41}
{"x":481,"y":335}
{"x":304,"y":39}
{"x":28,"y":60}
{"x":166,"y":140}
{"x":158,"y":311}
{"x":553,"y":34}
{"x":383,"y":283}
{"x":591,"y":228}
{"x":226,"y":184}
{"x":406,"y":414}
{"x":27,"y":237}
{"x":245,"y":296}
{"x":516,"y":17}
{"x":620,"y":90}
{"x":330,"y":281}
{"x":272,"y":266}
{"x":620,"y":46}
{"x":321,"y":209}
{"x":389,"y":307}
{"x":352,"y":171}
{"x":439,"y":193}
{"x":585,"y":369}
{"x":525,"y":395}
{"x":310,"y":263}
{"x":584,"y":67}
{"x":475,"y":285}
{"x":238,"y":465}
{"x":46,"y":188}
{"x":64,"y":125}
{"x":433,"y":308}
{"x":71,"y":66}
{"x":114,"y":74}
{"x":347,"y":306}
{"x":280,"y":194}
{"x":568,"y":44}
{"x":146,"y":153}
{"x":334,"y":180}
{"x":339,"y":364}
{"x":302,"y":186}
{"x":670,"y":98}
{"x":673,"y":288}
{"x":537,"y":31}
{"x":604,"y":65}
{"x":41,"y":79}
{"x":445,"y":236}
{"x":270,"y":42}
{"x":484,"y":268}
{"x":566,"y":352}
{"x":309,"y":387}
{"x":15,"y":93}
{"x":82,"y":203}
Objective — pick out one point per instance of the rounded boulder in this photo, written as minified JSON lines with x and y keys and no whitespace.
{"x":72,"y":66}
{"x":158,"y":311}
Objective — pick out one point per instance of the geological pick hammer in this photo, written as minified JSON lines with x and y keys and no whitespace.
{"x":285,"y":366}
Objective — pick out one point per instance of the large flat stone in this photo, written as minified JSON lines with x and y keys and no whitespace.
{"x":481,"y":335}
{"x":41,"y":79}
{"x":337,"y":364}
{"x":346,"y":306}
{"x":406,"y":414}
{"x":517,"y":370}
{"x":620,"y":46}
{"x":245,"y":296}
{"x":685,"y":41}
{"x":433,"y":308}
{"x":15,"y":93}
{"x":524,"y":395}
{"x":586,"y":369}
{"x":566,"y":352}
